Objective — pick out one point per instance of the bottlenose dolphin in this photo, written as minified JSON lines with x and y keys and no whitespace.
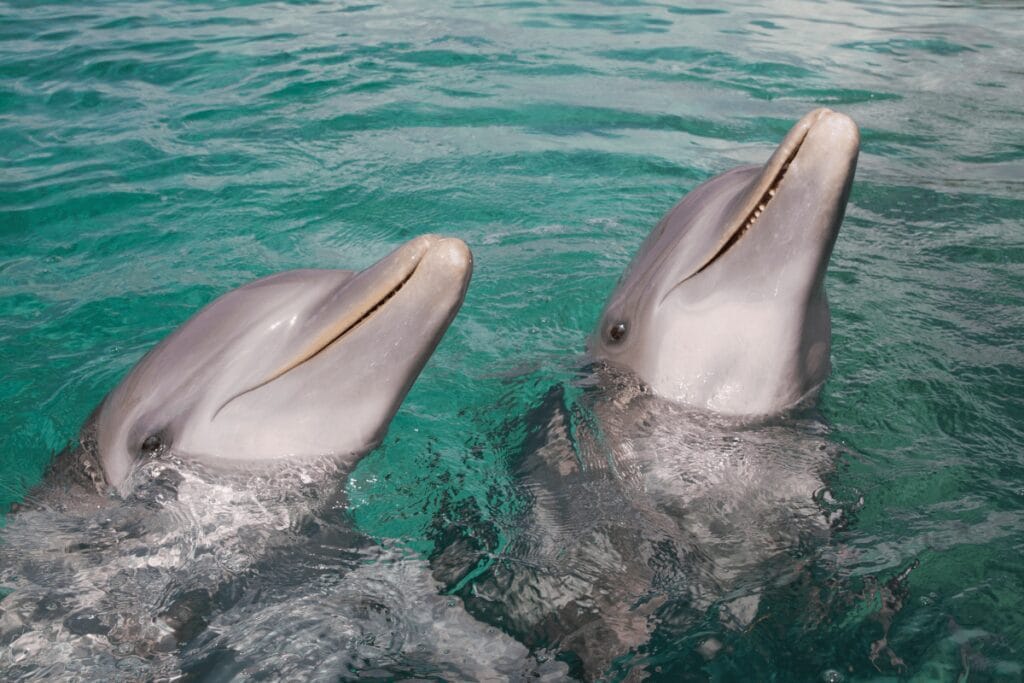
{"x":656,"y":491}
{"x":724,"y":307}
{"x":204,"y":507}
{"x":296,"y":365}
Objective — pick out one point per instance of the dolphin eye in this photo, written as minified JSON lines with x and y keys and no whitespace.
{"x":617,"y":331}
{"x":151,"y":444}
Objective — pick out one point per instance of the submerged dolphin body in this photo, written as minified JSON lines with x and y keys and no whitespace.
{"x":640,"y":512}
{"x":297,"y":365}
{"x":723,"y":306}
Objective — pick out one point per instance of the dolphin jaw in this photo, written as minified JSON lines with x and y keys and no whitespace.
{"x":440,"y":254}
{"x":352,"y":318}
{"x":453,"y":252}
{"x":365,"y":316}
{"x":754,"y":214}
{"x":770,"y":179}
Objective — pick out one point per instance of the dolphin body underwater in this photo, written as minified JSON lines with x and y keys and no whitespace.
{"x":200,"y":528}
{"x":670,"y":486}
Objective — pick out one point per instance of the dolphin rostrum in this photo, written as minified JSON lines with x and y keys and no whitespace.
{"x":300,"y":364}
{"x":724,"y":307}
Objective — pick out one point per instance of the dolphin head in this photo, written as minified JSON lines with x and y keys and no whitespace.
{"x":724,"y":307}
{"x":300,"y":364}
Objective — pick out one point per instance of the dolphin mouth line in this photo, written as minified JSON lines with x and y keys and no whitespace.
{"x":755,"y":213}
{"x":316,"y":351}
{"x":365,"y":316}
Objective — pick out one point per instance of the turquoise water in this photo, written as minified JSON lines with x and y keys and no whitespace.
{"x":157,"y":154}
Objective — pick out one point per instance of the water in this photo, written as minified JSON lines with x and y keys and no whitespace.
{"x":155,"y":155}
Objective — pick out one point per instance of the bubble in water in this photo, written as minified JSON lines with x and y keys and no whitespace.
{"x":831,"y":676}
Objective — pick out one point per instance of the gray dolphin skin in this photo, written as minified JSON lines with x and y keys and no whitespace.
{"x":723,"y":307}
{"x":300,"y":364}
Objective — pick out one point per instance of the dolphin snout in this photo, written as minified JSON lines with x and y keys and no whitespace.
{"x":829,"y":155}
{"x":840,"y":126}
{"x":444,"y":252}
{"x":450,"y":252}
{"x":419,"y":245}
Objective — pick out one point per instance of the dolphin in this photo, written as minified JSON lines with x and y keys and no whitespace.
{"x":294,"y":366}
{"x":210,"y":480}
{"x":724,"y":306}
{"x":670,"y":482}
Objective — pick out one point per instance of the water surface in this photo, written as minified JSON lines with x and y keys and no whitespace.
{"x":156,"y":154}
